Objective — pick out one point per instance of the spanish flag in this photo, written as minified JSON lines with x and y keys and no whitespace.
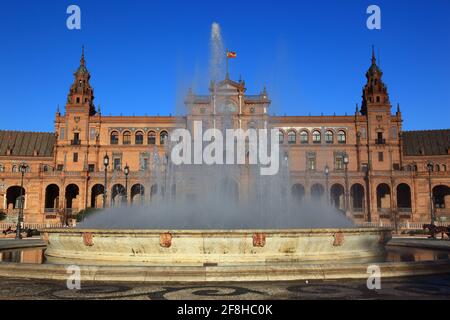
{"x":231,"y":55}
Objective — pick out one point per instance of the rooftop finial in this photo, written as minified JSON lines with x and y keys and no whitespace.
{"x":374,"y":60}
{"x":82,"y":61}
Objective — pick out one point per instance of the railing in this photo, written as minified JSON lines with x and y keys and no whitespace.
{"x":380,"y":141}
{"x":400,"y":226}
{"x":75,"y":142}
{"x":38,"y":226}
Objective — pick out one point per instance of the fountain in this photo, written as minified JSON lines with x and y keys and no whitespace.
{"x":215,"y":216}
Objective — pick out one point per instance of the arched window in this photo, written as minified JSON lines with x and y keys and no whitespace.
{"x":341,"y":137}
{"x":329,"y":136}
{"x":127,"y":137}
{"x":139,"y":137}
{"x":292,"y":137}
{"x":304,"y":137}
{"x":281,"y":137}
{"x":163,"y":137}
{"x":151,"y":138}
{"x":114,"y":137}
{"x":15,"y":168}
{"x":2,"y":168}
{"x":438,"y":168}
{"x":444,"y":167}
{"x":316,"y":137}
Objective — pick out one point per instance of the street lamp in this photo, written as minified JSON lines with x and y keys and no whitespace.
{"x":327,"y":173}
{"x":430,"y":166}
{"x":346,"y":162}
{"x":23,"y":169}
{"x":106,"y":163}
{"x":126,"y":170}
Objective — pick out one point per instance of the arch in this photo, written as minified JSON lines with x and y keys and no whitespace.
{"x":292,"y":137}
{"x":72,"y":192}
{"x":329,"y":136}
{"x":97,"y":192}
{"x":114,"y":138}
{"x":316,"y":136}
{"x":118,"y":195}
{"x":383,"y":196}
{"x":298,"y":193}
{"x":317,"y":191}
{"x":2,"y":168}
{"x":304,"y":137}
{"x":403,"y":196}
{"x":13,"y":200}
{"x":341,"y":136}
{"x":151,"y":137}
{"x":357,"y":197}
{"x":139,"y":137}
{"x":137,"y":194}
{"x":163,"y":137}
{"x":51,"y":197}
{"x":441,"y":196}
{"x":126,"y":137}
{"x":337,"y":196}
{"x":228,"y":189}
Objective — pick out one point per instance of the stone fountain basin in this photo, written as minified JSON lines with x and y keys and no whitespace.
{"x":211,"y":247}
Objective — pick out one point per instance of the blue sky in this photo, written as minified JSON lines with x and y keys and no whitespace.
{"x":143,"y":55}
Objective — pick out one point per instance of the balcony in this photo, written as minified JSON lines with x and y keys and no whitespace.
{"x":75,"y":142}
{"x":380,"y":141}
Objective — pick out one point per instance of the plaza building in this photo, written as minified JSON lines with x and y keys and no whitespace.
{"x":364,"y":164}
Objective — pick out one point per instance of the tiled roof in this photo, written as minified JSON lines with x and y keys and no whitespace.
{"x":426,"y":143}
{"x":27,"y":144}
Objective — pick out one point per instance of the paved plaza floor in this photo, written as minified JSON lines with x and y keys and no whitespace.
{"x":429,"y":287}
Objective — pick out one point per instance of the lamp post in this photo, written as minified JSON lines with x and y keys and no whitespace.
{"x":23,"y":169}
{"x":430,"y":169}
{"x":106,"y":164}
{"x":327,"y":173}
{"x":346,"y":200}
{"x":126,"y":170}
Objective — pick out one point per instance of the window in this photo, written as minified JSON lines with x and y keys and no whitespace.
{"x":15,"y":168}
{"x":339,"y":162}
{"x":91,"y":167}
{"x":292,"y":137}
{"x":329,"y":136}
{"x":364,"y":167}
{"x":396,"y":166}
{"x":76,"y":137}
{"x":151,"y":137}
{"x":380,"y":156}
{"x":316,"y":137}
{"x":378,"y":98}
{"x":114,"y":137}
{"x":60,"y":167}
{"x":62,"y":133}
{"x":163,"y":137}
{"x":144,"y":164}
{"x":92,"y":134}
{"x":127,"y":137}
{"x":341,"y":137}
{"x":363,"y":133}
{"x":281,"y":137}
{"x":78,"y":99}
{"x":311,"y":164}
{"x":45,"y":168}
{"x":75,"y":157}
{"x":444,"y":167}
{"x":139,"y":138}
{"x":2,"y":168}
{"x":304,"y":137}
{"x":116,"y":164}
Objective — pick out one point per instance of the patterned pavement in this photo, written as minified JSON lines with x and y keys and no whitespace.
{"x":429,"y":287}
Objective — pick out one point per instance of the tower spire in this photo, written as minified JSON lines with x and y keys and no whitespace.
{"x":82,"y":60}
{"x":374,"y":59}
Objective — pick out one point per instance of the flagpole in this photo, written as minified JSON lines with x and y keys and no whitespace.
{"x":226,"y":54}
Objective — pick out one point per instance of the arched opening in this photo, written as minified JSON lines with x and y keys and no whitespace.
{"x":317,"y":191}
{"x":292,"y":137}
{"x":441,"y":197}
{"x":137,"y":194}
{"x":298,"y":193}
{"x":341,"y":136}
{"x":316,"y":136}
{"x":126,"y":137}
{"x":357,"y":197}
{"x":280,"y":137}
{"x":51,"y":198}
{"x":114,"y":138}
{"x":337,"y":196}
{"x":139,"y":138}
{"x":404,"y":197}
{"x":163,"y":137}
{"x":13,"y":200}
{"x":72,"y":192}
{"x":151,"y":137}
{"x":118,"y":195}
{"x":97,"y":192}
{"x":304,"y":137}
{"x":329,"y":136}
{"x":383,"y":197}
{"x":228,"y":189}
